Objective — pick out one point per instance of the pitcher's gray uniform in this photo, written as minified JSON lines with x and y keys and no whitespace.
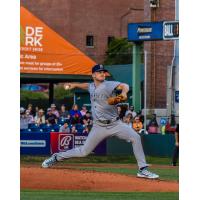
{"x":101,"y":112}
{"x":106,"y":122}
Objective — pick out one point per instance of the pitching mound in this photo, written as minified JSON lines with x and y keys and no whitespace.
{"x":34,"y":177}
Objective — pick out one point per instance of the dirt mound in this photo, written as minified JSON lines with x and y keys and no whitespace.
{"x":33,"y":177}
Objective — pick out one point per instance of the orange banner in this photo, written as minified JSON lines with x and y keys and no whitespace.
{"x":43,"y":51}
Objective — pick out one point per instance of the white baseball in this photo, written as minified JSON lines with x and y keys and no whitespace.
{"x":67,"y":87}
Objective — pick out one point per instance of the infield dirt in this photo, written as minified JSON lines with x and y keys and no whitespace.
{"x":60,"y":178}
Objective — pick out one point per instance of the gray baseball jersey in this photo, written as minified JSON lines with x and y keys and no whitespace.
{"x":101,"y":110}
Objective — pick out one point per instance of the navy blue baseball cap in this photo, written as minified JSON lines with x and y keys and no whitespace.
{"x":98,"y":68}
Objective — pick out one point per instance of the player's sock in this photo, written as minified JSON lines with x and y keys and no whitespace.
{"x":143,"y":168}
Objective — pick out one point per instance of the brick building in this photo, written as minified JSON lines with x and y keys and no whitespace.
{"x":90,"y":24}
{"x":160,"y":55}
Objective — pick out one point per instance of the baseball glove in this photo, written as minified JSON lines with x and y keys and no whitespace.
{"x":117,"y":99}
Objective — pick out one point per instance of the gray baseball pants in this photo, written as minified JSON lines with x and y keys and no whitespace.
{"x":99,"y":132}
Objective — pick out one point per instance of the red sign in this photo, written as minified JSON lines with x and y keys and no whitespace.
{"x":65,"y":142}
{"x":61,"y":141}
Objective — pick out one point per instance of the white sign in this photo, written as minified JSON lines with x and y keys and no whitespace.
{"x":32,"y":143}
{"x":170,"y":30}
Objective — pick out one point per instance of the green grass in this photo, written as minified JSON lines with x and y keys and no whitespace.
{"x":101,"y":159}
{"x":165,"y":174}
{"x":76,"y":195}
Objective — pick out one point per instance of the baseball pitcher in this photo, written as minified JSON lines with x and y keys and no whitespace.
{"x":106,"y":121}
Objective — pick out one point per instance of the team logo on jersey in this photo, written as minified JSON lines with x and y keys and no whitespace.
{"x":96,"y":96}
{"x":65,"y":142}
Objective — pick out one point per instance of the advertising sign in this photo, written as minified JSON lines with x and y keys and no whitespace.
{"x":151,"y":31}
{"x":61,"y":141}
{"x":170,"y":30}
{"x":34,"y":143}
{"x":44,"y":51}
{"x":145,"y":31}
{"x":163,"y":121}
{"x":65,"y":141}
{"x":79,"y":140}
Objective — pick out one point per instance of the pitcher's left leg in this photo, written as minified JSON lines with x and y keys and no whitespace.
{"x":126,"y":133}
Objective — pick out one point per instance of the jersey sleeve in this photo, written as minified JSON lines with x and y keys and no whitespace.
{"x":111,"y":85}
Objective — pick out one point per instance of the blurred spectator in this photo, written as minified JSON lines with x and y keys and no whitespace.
{"x":171,"y":125}
{"x":176,"y":148}
{"x":63,"y":112}
{"x":120,"y":112}
{"x":50,"y":117}
{"x":86,"y":130}
{"x":22,"y":111}
{"x":30,"y":108}
{"x":128,"y":120}
{"x":131,"y":111}
{"x":75,"y":115}
{"x":65,"y":128}
{"x":84,"y":110}
{"x":73,"y":130}
{"x":36,"y":111}
{"x":54,"y":111}
{"x":29,"y":117}
{"x":153,"y":125}
{"x":87,"y":119}
{"x":119,"y":109}
{"x":24,"y":121}
{"x":141,"y":116}
{"x":40,"y":118}
{"x":137,"y":124}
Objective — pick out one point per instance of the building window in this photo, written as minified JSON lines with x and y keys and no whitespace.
{"x":110,"y":39}
{"x":90,"y":41}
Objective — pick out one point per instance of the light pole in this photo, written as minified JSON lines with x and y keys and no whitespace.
{"x":176,"y":64}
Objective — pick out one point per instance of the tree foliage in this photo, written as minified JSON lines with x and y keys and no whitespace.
{"x":119,"y":52}
{"x":61,"y":93}
{"x":25,"y":95}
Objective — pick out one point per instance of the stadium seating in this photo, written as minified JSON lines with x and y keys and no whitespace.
{"x":79,"y":128}
{"x":47,"y":128}
{"x":32,"y":125}
{"x":36,"y":130}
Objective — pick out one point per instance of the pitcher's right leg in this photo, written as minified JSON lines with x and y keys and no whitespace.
{"x":96,"y":135}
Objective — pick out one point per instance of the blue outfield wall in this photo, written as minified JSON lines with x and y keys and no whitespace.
{"x":40,"y":143}
{"x":34,"y":143}
{"x":154,"y":145}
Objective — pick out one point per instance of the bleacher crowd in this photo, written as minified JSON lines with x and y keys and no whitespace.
{"x":79,"y":121}
{"x":53,"y":120}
